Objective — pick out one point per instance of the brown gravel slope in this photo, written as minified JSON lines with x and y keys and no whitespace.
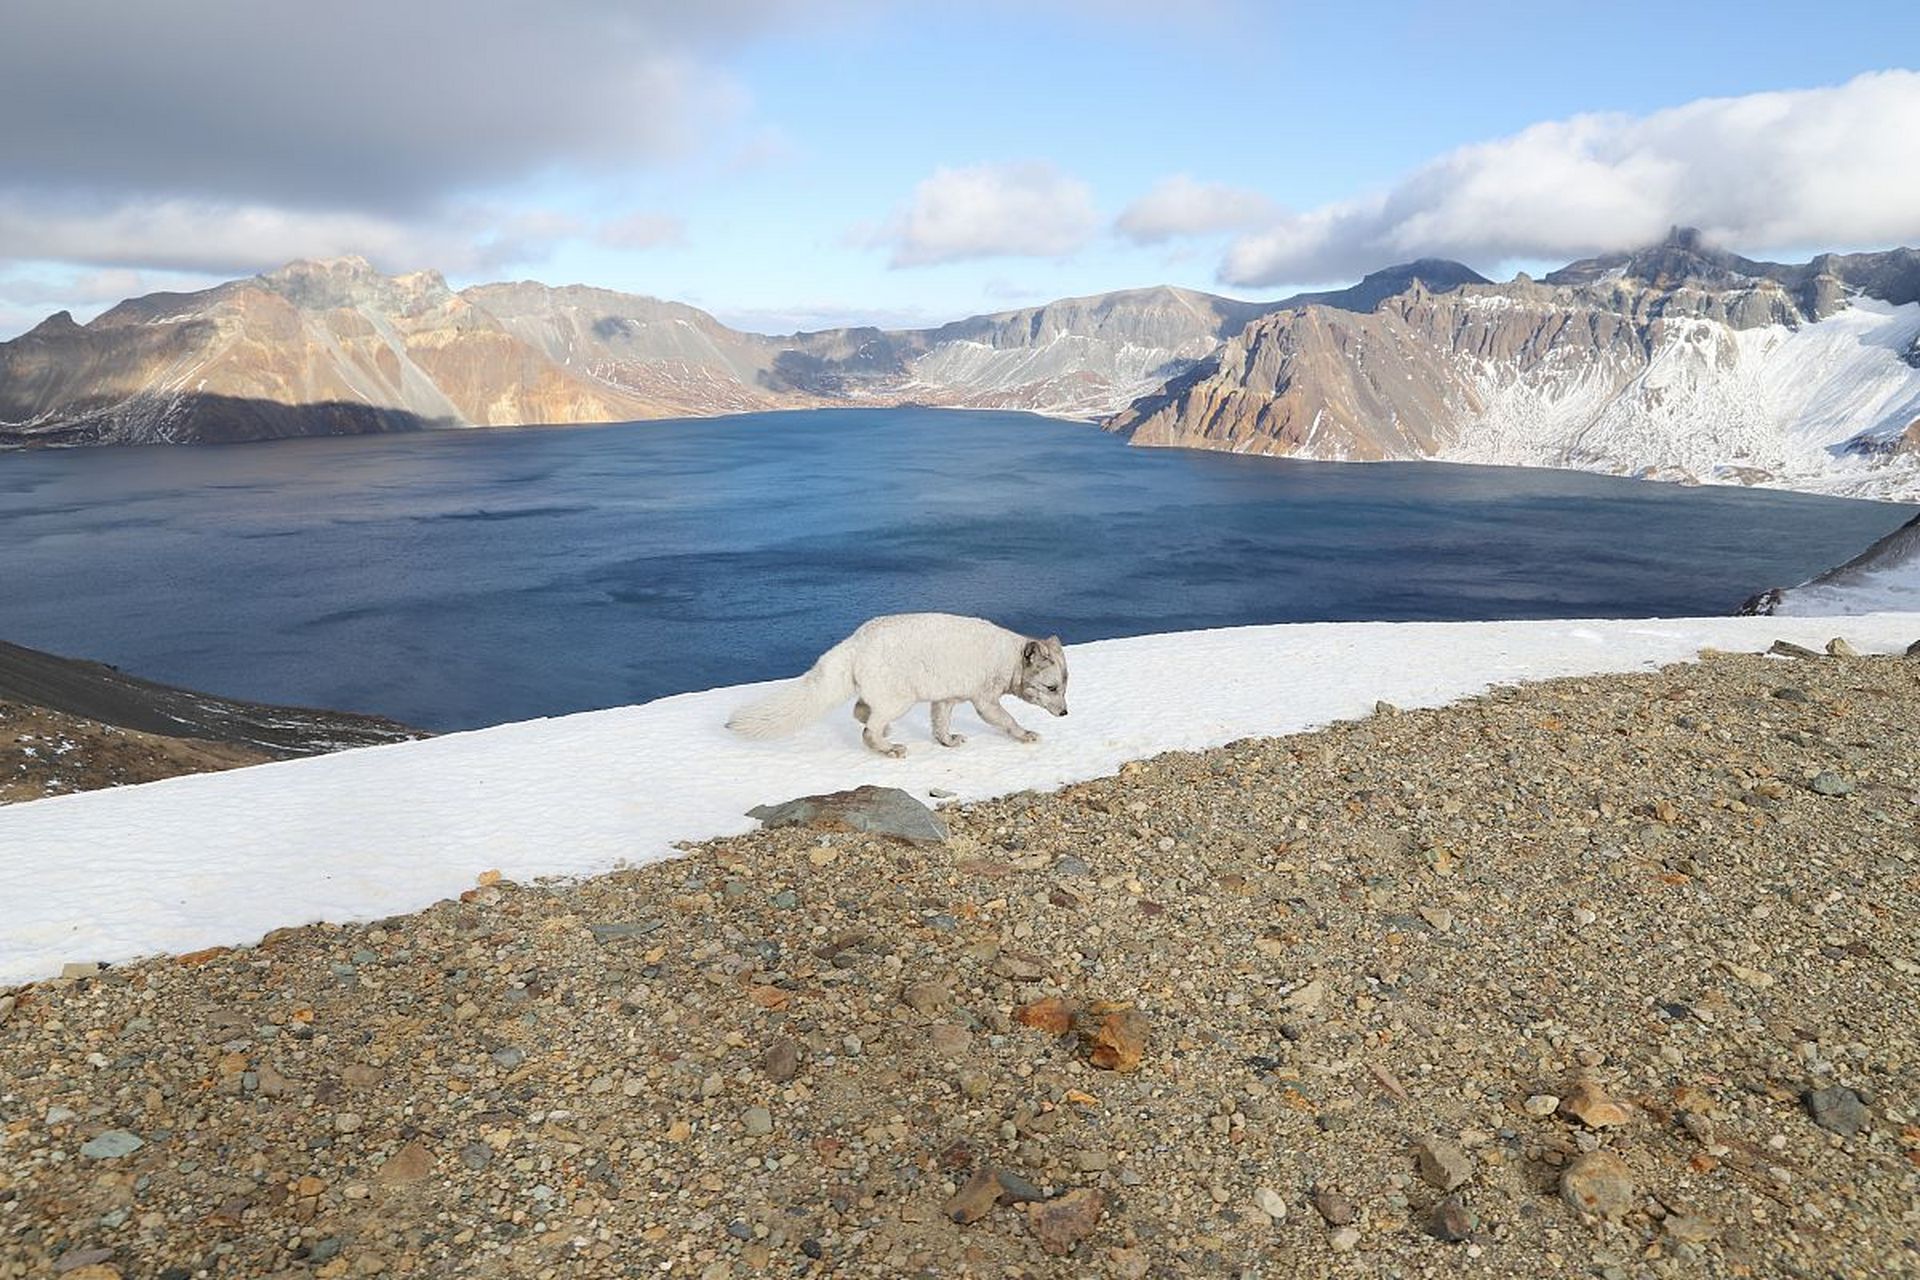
{"x":1678,"y":903}
{"x":50,"y":753}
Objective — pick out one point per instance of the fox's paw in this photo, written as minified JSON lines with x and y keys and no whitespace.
{"x":952,"y":740}
{"x":894,"y":750}
{"x":1024,"y":735}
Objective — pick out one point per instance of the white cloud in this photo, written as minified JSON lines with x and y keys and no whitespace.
{"x":1179,"y":206}
{"x":224,"y":238}
{"x":1790,"y":170}
{"x":990,"y":210}
{"x":227,"y":136}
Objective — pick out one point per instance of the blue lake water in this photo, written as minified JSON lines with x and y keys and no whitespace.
{"x":465,"y":578}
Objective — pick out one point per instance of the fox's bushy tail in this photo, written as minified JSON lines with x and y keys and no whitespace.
{"x":827,"y":684}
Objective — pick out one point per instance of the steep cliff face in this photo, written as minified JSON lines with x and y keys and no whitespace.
{"x":1676,"y":362}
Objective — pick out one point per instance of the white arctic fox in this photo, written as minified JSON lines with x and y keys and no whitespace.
{"x":895,"y":661}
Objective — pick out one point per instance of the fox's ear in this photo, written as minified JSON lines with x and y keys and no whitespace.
{"x":1053,"y":643}
{"x":1034,"y":653}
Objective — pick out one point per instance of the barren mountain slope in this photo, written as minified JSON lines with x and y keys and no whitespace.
{"x":1679,"y":362}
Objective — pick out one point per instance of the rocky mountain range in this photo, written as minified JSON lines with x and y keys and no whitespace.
{"x":1675,"y":362}
{"x":324,"y":348}
{"x":1678,"y":361}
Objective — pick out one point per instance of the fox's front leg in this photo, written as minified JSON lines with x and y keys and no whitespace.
{"x":996,"y":715}
{"x":942,"y":717}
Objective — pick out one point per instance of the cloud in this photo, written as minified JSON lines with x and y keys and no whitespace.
{"x":1789,"y":170}
{"x":228,"y":136}
{"x":221,"y":237}
{"x":811,"y":317}
{"x":355,"y":103}
{"x":1179,"y":206}
{"x":641,"y":231}
{"x":990,"y":210}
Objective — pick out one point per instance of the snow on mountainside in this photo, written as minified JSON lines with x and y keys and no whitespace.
{"x":1678,"y":362}
{"x":1829,"y":406}
{"x":1886,"y":576}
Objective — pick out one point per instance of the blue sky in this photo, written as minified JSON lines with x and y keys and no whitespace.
{"x":789,"y":164}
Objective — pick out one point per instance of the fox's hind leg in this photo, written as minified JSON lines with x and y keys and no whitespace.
{"x":942,"y":723}
{"x":879,"y":720}
{"x":861,"y":710}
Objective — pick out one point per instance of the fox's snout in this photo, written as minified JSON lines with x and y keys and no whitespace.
{"x":1061,"y":712}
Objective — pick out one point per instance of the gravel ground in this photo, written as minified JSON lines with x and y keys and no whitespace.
{"x":50,"y":753}
{"x":1599,"y":977}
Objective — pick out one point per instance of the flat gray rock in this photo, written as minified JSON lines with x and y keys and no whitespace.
{"x":881,"y":811}
{"x":111,"y":1145}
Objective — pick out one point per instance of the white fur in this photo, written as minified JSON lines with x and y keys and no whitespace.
{"x":893,"y":662}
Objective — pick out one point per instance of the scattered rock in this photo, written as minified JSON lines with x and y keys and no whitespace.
{"x":1451,"y":1221}
{"x":1838,"y":1110}
{"x":81,"y":1260}
{"x":1334,"y":1207}
{"x":80,"y":969}
{"x":1015,"y":1189}
{"x":1061,"y":1223}
{"x":1588,"y":1103}
{"x":112,"y":1145}
{"x":1119,"y":1041}
{"x":881,"y":811}
{"x":1541,"y":1105}
{"x":1690,"y":1228}
{"x":1443,"y":1164}
{"x":1913,"y":650}
{"x":1788,"y":649}
{"x":1385,"y":708}
{"x":1839,"y":648}
{"x":757,"y":1121}
{"x":949,"y":1040}
{"x":926,"y":997}
{"x":618,"y":930}
{"x":1599,"y":1183}
{"x":1828,"y":783}
{"x":1306,"y":998}
{"x":410,"y":1163}
{"x":1271,"y":1203}
{"x":781,"y":1060}
{"x":1344,"y":1239}
{"x":976,"y":1198}
{"x":1053,"y":1015}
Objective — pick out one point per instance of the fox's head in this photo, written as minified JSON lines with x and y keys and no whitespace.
{"x":1043,"y":675}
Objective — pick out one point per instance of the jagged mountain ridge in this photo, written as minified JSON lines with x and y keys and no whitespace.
{"x":1677,"y":361}
{"x":335,"y":347}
